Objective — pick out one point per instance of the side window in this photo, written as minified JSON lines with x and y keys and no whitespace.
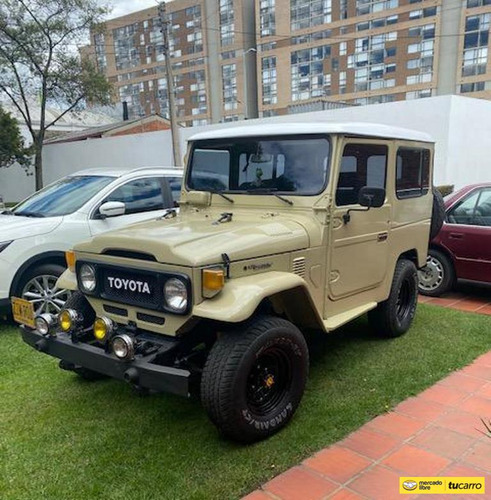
{"x":474,"y":210}
{"x":362,"y":165}
{"x":140,"y":195}
{"x":175,"y":184}
{"x":412,"y":172}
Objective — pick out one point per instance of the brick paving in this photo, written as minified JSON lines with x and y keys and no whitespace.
{"x":436,"y":433}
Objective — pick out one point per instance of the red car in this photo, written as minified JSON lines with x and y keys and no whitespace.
{"x":462,"y":248}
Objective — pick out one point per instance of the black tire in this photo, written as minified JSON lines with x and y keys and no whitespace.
{"x":254,"y":378}
{"x":393,"y":317}
{"x":79,"y":303}
{"x":53,"y":271}
{"x":437,"y":213}
{"x":438,"y":276}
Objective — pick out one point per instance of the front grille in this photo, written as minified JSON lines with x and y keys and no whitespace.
{"x":299,"y":266}
{"x":119,"y":311}
{"x":150,"y":318}
{"x":139,"y":288}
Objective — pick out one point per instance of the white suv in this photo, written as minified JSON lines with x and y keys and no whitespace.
{"x":36,"y":233}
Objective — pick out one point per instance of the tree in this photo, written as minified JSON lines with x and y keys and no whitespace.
{"x":40,"y":64}
{"x":12,"y":149}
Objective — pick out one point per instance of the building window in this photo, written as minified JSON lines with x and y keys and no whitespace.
{"x":270,"y":87}
{"x":370,"y":6}
{"x":267,"y":17}
{"x":229,"y":85}
{"x":476,"y":45}
{"x":100,"y":52}
{"x":307,"y":71}
{"x":308,"y":13}
{"x":472,"y":87}
{"x":477,"y":3}
{"x":126,"y":48}
{"x":227,"y":27}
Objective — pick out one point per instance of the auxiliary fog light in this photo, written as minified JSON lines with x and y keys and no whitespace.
{"x":103,"y":327}
{"x":68,"y":320}
{"x":123,"y":347}
{"x":45,"y":323}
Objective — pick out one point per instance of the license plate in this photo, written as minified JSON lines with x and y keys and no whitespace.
{"x":23,"y":311}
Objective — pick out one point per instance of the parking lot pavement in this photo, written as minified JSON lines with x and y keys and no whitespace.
{"x":437,"y":433}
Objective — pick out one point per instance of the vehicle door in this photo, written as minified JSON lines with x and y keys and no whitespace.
{"x":467,"y":235}
{"x":144,"y":198}
{"x":359,"y":248}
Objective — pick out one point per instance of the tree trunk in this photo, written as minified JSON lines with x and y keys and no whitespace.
{"x":38,"y":163}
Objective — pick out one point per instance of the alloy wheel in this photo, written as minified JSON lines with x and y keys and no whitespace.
{"x":432,"y":275}
{"x":43,"y":293}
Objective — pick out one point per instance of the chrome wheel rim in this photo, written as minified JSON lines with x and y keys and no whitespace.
{"x":432,"y":275}
{"x":43,"y":293}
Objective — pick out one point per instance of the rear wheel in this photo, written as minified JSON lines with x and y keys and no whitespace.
{"x":254,"y":379}
{"x":438,"y":276}
{"x":394,"y":316}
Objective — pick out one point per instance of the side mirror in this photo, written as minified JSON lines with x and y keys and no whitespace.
{"x":112,"y":209}
{"x":371,"y":197}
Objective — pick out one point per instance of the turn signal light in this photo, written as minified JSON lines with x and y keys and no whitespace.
{"x":213,"y":279}
{"x":70,"y":260}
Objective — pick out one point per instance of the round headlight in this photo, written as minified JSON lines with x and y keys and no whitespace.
{"x":103,"y":327}
{"x":87,"y":278}
{"x":176,"y":295}
{"x":44,"y":323}
{"x":123,"y":346}
{"x":68,"y":320}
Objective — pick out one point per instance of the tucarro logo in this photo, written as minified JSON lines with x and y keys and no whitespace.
{"x":131,"y":285}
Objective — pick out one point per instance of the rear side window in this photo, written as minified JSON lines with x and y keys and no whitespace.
{"x":412,"y":172}
{"x":362,"y":165}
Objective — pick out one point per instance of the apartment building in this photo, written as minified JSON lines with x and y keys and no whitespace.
{"x":213,"y":69}
{"x":369,"y":51}
{"x":235,"y":59}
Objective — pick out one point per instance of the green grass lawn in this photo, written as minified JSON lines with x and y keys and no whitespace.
{"x":64,"y":438}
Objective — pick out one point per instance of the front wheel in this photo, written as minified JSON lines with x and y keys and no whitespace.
{"x":394,"y":316}
{"x":254,"y":378}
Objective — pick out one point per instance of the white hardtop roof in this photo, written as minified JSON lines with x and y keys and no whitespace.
{"x":121,"y":172}
{"x":349,"y":128}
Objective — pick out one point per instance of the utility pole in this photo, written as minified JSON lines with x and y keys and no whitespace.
{"x":164,"y":28}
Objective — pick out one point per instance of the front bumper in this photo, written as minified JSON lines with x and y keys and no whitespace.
{"x":139,"y":372}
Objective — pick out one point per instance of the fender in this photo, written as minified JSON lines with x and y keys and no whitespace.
{"x":45,"y":258}
{"x":68,"y":281}
{"x":240,"y":297}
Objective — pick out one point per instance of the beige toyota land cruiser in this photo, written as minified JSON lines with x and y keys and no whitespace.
{"x":281,"y":228}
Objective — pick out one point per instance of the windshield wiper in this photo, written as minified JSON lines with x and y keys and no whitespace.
{"x":270,"y":191}
{"x":30,"y":214}
{"x":7,"y":212}
{"x":219,"y":193}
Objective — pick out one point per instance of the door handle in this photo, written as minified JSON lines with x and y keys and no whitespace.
{"x":456,"y":236}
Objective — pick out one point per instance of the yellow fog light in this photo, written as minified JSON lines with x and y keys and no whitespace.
{"x":70,"y":260}
{"x":213,"y":279}
{"x":68,"y":320}
{"x":103,"y":327}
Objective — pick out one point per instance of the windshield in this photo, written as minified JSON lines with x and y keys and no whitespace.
{"x":252,"y":165}
{"x":63,"y":197}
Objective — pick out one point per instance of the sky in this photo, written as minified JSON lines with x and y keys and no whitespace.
{"x":122,"y":7}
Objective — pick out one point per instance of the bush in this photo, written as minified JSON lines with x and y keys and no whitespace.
{"x":446,"y":189}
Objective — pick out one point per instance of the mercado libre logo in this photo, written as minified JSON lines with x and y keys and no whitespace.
{"x":442,"y":485}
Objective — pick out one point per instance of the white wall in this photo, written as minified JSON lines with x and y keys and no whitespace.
{"x":461,"y":127}
{"x":141,"y":150}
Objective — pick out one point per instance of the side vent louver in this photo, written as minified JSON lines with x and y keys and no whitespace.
{"x":299,"y":266}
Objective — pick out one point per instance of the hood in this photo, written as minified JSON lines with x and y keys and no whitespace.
{"x":13,"y":227}
{"x":197,"y":239}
